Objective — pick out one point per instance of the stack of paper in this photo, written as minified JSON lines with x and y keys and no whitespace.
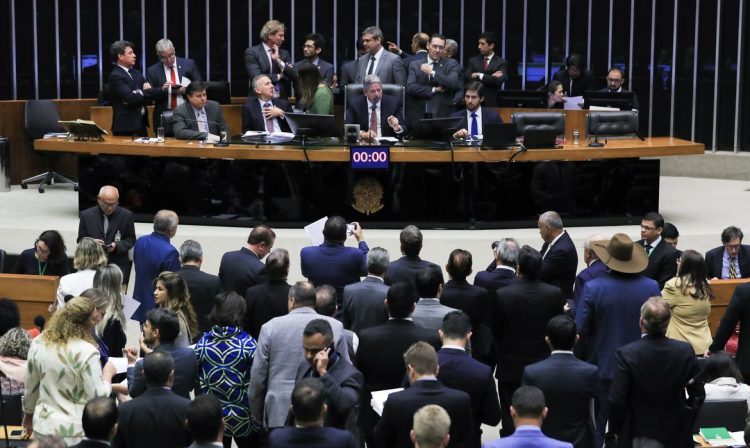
{"x":378,"y":399}
{"x":719,"y":437}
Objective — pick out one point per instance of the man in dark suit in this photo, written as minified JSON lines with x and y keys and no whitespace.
{"x":203,"y":286}
{"x":502,"y":271}
{"x":574,"y":77}
{"x":349,"y":68}
{"x":313,"y":45}
{"x":459,"y":371}
{"x":473,"y":300}
{"x":170,"y":75}
{"x":738,"y":311}
{"x":488,"y":68}
{"x":129,"y":92}
{"x":332,"y":263}
{"x":615,"y":79}
{"x":609,"y":310}
{"x":520,"y":342}
{"x":569,"y":386}
{"x":475,"y":117}
{"x":432,"y":84}
{"x":662,"y":256}
{"x":268,"y":58}
{"x":160,"y":331}
{"x":205,"y":422}
{"x":731,"y":259}
{"x":381,"y":349}
{"x":559,"y":254}
{"x":647,"y":396}
{"x":112,"y":227}
{"x":198,"y":118}
{"x":595,"y":268}
{"x":398,"y":411}
{"x":241,"y":269}
{"x":378,"y":61}
{"x":263,"y":112}
{"x":99,"y":423}
{"x":406,"y":268}
{"x":419,"y":42}
{"x":364,"y":302}
{"x":309,"y":410}
{"x":157,"y":417}
{"x":268,"y":299}
{"x":341,"y":380}
{"x":373,"y":111}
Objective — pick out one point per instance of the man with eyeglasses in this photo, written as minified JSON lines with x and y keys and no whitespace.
{"x":172,"y":75}
{"x":731,"y":259}
{"x":615,"y":80}
{"x":110,"y":226}
{"x":311,"y":50}
{"x":662,"y":256}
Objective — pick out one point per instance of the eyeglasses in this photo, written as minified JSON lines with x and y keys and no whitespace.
{"x":614,"y":80}
{"x":647,"y":227}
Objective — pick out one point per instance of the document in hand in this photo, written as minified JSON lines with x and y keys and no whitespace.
{"x":378,"y":399}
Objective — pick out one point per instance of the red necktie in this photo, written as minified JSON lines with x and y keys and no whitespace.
{"x":374,"y":119}
{"x":269,"y":121}
{"x":486,"y":63}
{"x":173,"y":103}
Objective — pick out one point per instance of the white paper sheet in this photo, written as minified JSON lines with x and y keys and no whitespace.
{"x":573,"y":102}
{"x":129,"y":306}
{"x":120,"y":363}
{"x":378,"y":399}
{"x":314,"y":231}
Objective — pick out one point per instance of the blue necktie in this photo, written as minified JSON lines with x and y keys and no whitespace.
{"x":474,"y":125}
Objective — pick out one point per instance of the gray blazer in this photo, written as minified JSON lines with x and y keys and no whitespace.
{"x":364,"y":305}
{"x":390,"y":69}
{"x":429,"y":313}
{"x":185,"y":126}
{"x":277,"y":357}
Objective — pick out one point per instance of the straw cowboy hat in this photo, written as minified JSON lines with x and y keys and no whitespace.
{"x":621,"y":254}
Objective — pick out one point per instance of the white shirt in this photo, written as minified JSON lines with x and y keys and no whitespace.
{"x":377,"y":115}
{"x":489,"y":59}
{"x":478,"y":113}
{"x":267,"y":49}
{"x":178,"y":80}
{"x":653,"y":245}
{"x":74,"y":284}
{"x":549,"y":248}
{"x":202,"y":119}
{"x":377,"y":61}
{"x":276,"y":127}
{"x":502,"y":266}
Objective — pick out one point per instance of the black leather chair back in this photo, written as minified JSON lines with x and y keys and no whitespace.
{"x":2,"y":261}
{"x":620,"y":123}
{"x":730,"y":414}
{"x":166,"y":122}
{"x":394,"y":90}
{"x":218,"y":91}
{"x":41,"y":117}
{"x":544,"y":121}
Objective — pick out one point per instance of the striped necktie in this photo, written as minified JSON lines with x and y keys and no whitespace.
{"x":732,"y":267}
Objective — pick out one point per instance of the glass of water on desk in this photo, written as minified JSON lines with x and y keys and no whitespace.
{"x":160,"y":134}
{"x":224,"y":137}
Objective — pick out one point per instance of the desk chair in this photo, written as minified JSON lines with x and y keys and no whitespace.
{"x":2,"y":261}
{"x":612,"y":124}
{"x":730,"y":414}
{"x":538,"y":121}
{"x":218,"y":91}
{"x":352,"y":90}
{"x":166,"y":123}
{"x":41,"y":117}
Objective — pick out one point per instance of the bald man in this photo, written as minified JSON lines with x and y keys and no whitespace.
{"x":112,"y":227}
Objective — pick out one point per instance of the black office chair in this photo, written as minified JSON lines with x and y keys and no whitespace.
{"x":729,"y":414}
{"x":218,"y":91}
{"x":395,"y":90}
{"x":2,"y":261}
{"x":538,"y":121}
{"x":166,"y":122}
{"x":612,"y":124}
{"x":42,"y":118}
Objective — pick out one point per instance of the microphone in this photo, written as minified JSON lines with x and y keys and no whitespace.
{"x":596,"y":143}
{"x":222,"y":142}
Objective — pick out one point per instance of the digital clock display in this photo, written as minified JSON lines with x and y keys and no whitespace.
{"x":370,"y":157}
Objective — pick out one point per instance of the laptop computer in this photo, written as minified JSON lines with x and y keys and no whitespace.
{"x":539,"y":138}
{"x":499,"y":136}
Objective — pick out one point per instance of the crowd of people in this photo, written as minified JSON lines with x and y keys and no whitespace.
{"x":619,"y":354}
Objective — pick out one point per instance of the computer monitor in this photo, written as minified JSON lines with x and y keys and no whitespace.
{"x":436,"y":128}
{"x":522,"y":98}
{"x":618,"y":100}
{"x":313,"y":125}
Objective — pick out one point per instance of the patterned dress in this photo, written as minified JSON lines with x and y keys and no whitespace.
{"x":225,"y":355}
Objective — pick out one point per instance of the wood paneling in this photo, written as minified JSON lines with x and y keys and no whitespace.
{"x":723,"y":290}
{"x":33,"y":294}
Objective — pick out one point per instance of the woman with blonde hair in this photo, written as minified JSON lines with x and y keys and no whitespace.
{"x":89,"y":257}
{"x":63,"y":373}
{"x":171,"y":292}
{"x":111,"y":329}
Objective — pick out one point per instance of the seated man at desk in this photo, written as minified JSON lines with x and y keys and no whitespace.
{"x":475,"y":115}
{"x":373,"y":110}
{"x":199,"y":118}
{"x":263,"y":112}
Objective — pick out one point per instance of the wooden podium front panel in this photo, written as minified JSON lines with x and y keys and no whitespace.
{"x":723,"y":290}
{"x":32,"y":293}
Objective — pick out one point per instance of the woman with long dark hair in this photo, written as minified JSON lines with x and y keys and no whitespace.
{"x":47,"y":257}
{"x":723,"y":379}
{"x":171,"y":292}
{"x":315,"y":96}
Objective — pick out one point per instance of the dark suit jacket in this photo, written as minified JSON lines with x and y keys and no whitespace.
{"x":316,"y":437}
{"x":241,"y":269}
{"x":325,"y":69}
{"x":256,"y":63}
{"x":569,"y":387}
{"x":662,"y":263}
{"x":203,"y":288}
{"x":398,"y":414}
{"x":460,"y":371}
{"x":596,"y":269}
{"x":156,"y":418}
{"x":364,"y":305}
{"x":264,"y":302}
{"x":357,"y":113}
{"x":343,"y":384}
{"x":128,"y":106}
{"x":157,"y":78}
{"x":348,"y":73}
{"x":495,"y":279}
{"x":185,"y":371}
{"x":714,"y":260}
{"x":334,"y":264}
{"x":252,"y":115}
{"x":489,"y":116}
{"x":520,"y":342}
{"x":584,"y":82}
{"x":560,"y":265}
{"x":476,"y":303}
{"x":420,"y":55}
{"x":419,"y":90}
{"x":405,"y":269}
{"x":121,"y":231}
{"x":185,"y":126}
{"x":491,"y":83}
{"x":647,"y":396}
{"x":738,"y":310}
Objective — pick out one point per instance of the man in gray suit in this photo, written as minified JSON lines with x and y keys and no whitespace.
{"x":205,"y":422}
{"x":428,"y":312}
{"x":364,"y":302}
{"x":199,"y":118}
{"x":379,"y":61}
{"x":279,"y":354}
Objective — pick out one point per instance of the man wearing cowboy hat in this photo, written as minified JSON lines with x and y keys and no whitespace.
{"x":610,"y":310}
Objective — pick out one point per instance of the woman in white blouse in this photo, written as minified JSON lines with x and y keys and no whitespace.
{"x":63,"y":373}
{"x":89,"y":257}
{"x":723,"y":379}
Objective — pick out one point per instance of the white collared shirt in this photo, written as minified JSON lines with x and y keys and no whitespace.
{"x":455,"y":347}
{"x":377,"y":55}
{"x":276,"y":127}
{"x":267,"y":49}
{"x":653,"y":245}
{"x":478,"y":112}
{"x":549,"y":248}
{"x":377,"y":115}
{"x":202,"y":119}
{"x":502,"y":266}
{"x":178,"y":80}
{"x":567,"y":352}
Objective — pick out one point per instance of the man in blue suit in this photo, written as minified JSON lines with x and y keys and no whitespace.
{"x":595,"y":268}
{"x":332,"y":263}
{"x":475,"y":116}
{"x":503,"y":272}
{"x":129,"y":92}
{"x":373,"y":110}
{"x":528,"y":411}
{"x":311,"y":49}
{"x":364,"y":302}
{"x":610,"y":311}
{"x":241,"y":269}
{"x":560,"y":259}
{"x":568,"y":384}
{"x":406,"y":268}
{"x":170,"y":75}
